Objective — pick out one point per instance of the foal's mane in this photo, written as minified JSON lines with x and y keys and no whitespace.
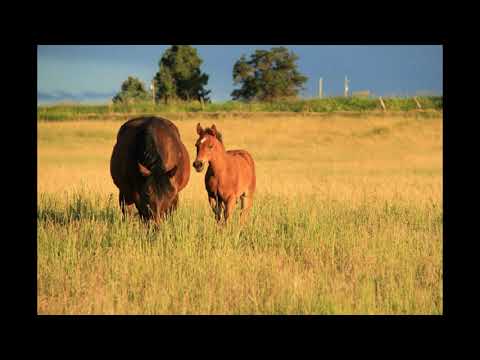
{"x":216,"y":133}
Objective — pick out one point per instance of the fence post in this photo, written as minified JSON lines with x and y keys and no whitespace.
{"x":382,"y":103}
{"x":416,"y":101}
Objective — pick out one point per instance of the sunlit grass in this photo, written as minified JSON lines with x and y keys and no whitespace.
{"x":61,"y":112}
{"x":347,"y":220}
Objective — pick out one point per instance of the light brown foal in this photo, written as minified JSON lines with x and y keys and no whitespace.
{"x":230,"y":175}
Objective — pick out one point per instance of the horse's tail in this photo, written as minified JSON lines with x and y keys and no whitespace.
{"x":249,"y":158}
{"x":146,"y":151}
{"x":148,"y":156}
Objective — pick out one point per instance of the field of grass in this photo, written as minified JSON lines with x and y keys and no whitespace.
{"x":63,"y":112}
{"x":347,"y":219}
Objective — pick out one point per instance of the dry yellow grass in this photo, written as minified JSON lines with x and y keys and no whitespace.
{"x":345,"y":159}
{"x":347,"y":219}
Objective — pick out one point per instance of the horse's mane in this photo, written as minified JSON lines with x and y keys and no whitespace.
{"x":216,"y":133}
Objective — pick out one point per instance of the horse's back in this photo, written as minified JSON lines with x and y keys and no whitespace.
{"x":122,"y":160}
{"x":171,"y":150}
{"x":167,"y":144}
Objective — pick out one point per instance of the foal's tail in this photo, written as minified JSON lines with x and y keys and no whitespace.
{"x":246,"y":155}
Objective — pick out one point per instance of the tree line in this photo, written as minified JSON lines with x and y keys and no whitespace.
{"x":266,"y":76}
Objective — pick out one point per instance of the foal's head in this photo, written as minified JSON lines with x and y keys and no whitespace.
{"x":209,"y":141}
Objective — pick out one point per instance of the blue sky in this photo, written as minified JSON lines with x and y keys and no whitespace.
{"x":94,"y":73}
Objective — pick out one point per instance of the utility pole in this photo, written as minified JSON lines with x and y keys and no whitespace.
{"x":320,"y":88}
{"x":345,"y":92}
{"x":152,"y":87}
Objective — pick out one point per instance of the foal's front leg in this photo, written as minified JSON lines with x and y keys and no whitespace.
{"x":216,"y":207}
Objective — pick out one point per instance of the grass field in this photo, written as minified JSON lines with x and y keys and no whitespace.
{"x":347,"y":219}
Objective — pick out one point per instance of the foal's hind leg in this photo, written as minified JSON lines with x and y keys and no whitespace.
{"x":229,"y":207}
{"x":246,"y":205}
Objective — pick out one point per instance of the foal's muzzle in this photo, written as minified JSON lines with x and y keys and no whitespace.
{"x":198,"y":165}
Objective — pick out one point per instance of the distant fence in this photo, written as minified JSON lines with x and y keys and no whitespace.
{"x":315,"y":105}
{"x":361,"y":94}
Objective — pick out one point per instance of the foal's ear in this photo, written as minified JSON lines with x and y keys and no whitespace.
{"x":199,"y":129}
{"x":214,"y":129}
{"x":216,"y":133}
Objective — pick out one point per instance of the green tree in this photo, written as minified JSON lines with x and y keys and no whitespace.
{"x":165,"y":87}
{"x":268,"y":75}
{"x":132,"y":90}
{"x":179,"y":75}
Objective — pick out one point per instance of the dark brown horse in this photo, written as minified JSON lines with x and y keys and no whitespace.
{"x":150,"y":166}
{"x":230,"y":175}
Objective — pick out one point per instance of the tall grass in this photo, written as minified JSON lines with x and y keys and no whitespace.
{"x":294,"y":256}
{"x":347,"y":219}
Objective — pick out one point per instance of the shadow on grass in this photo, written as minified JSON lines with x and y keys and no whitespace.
{"x":77,"y":207}
{"x":82,"y":208}
{"x":64,"y":217}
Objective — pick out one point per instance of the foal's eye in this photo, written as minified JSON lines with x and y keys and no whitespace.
{"x":210,"y":146}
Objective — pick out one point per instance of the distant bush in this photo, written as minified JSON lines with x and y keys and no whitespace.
{"x":132,"y":90}
{"x":433,"y":102}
